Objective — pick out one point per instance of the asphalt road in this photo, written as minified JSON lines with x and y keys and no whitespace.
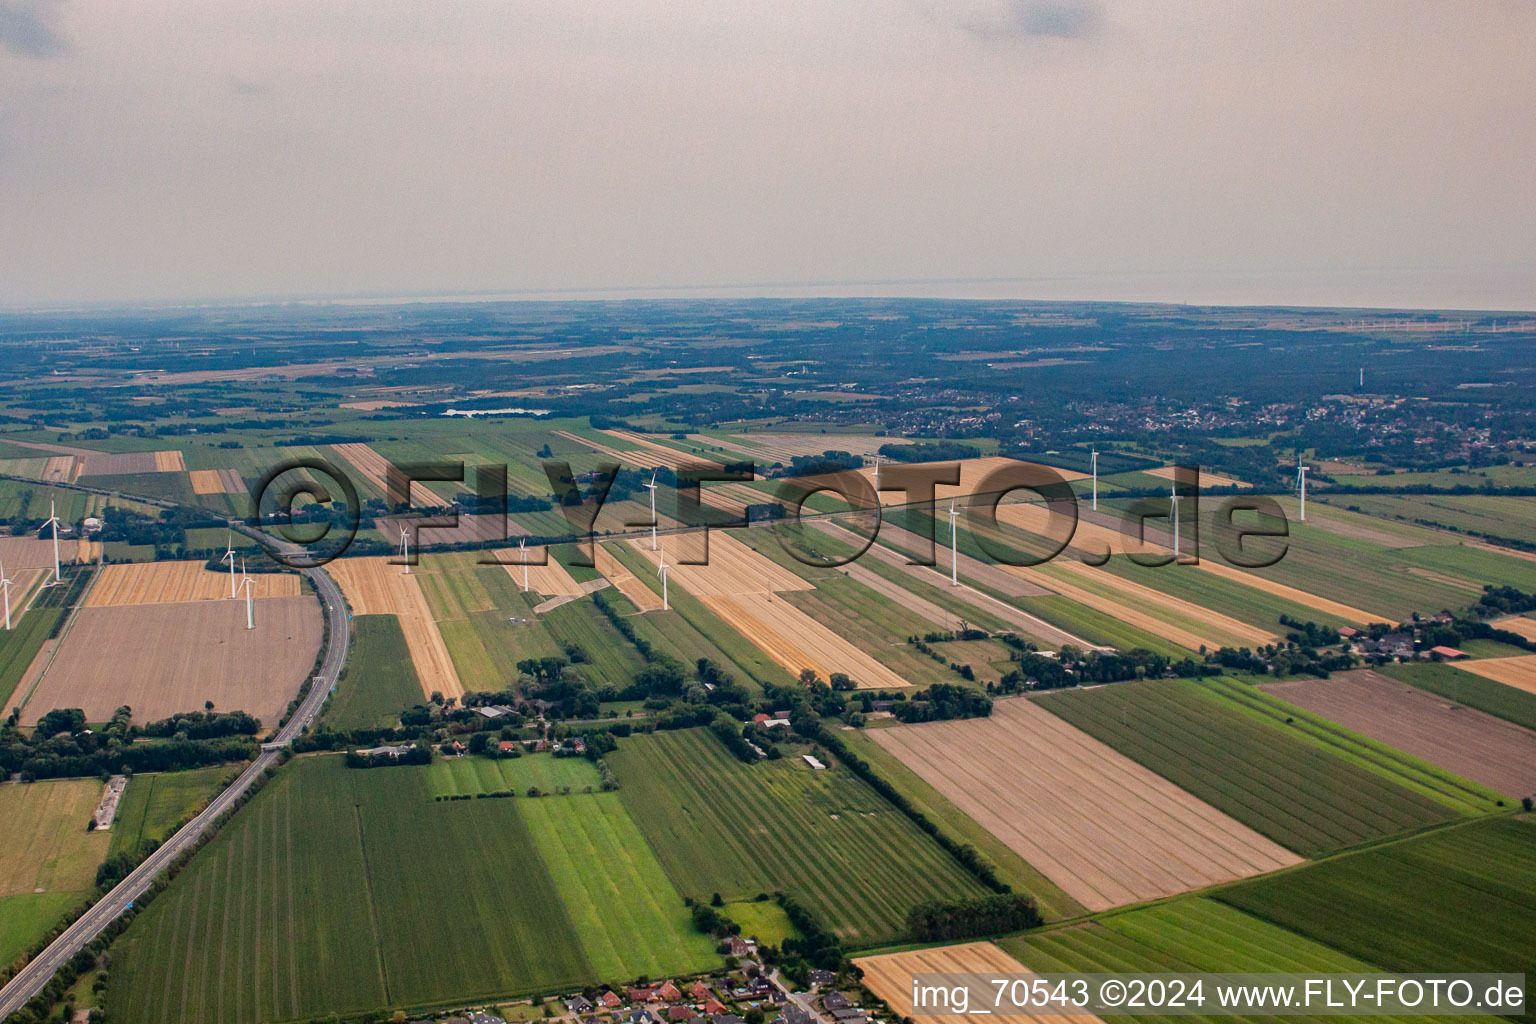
{"x":32,"y":978}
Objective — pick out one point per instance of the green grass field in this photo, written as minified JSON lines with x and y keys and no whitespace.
{"x":1470,"y":689}
{"x":380,"y":682}
{"x":455,"y":775}
{"x":1461,"y":899}
{"x":154,"y":805}
{"x":874,"y":623}
{"x":27,"y":917}
{"x":719,"y":825}
{"x":48,"y":861}
{"x":1300,"y":795}
{"x":763,"y":920}
{"x":1011,"y":868}
{"x":340,"y":890}
{"x":21,"y":644}
{"x":1185,"y":936}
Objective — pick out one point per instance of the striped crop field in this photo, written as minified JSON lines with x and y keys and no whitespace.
{"x":1461,"y":899}
{"x":1302,"y":796}
{"x":719,"y":825}
{"x":1187,"y":935}
{"x":345,"y":891}
{"x":380,"y":682}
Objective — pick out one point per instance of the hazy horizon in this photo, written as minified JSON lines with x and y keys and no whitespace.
{"x":1186,"y":151}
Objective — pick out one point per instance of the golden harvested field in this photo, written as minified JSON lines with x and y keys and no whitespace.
{"x":549,"y":579}
{"x":176,"y":582}
{"x":795,"y":640}
{"x":734,"y":569}
{"x":890,"y":978}
{"x":368,"y":462}
{"x":61,"y":469}
{"x":1518,"y":625}
{"x":1207,"y":478}
{"x":216,"y":481}
{"x":163,"y":658}
{"x":1099,"y":825}
{"x":28,"y":552}
{"x":670,"y":456}
{"x":1517,"y":672}
{"x":1146,"y":608}
{"x":1472,"y":744}
{"x":87,"y":551}
{"x":640,"y":595}
{"x":47,"y":848}
{"x":375,"y":587}
{"x":170,"y":462}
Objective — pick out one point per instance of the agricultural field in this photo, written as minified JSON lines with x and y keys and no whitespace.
{"x":455,"y":776}
{"x":373,"y":586}
{"x":762,"y":920}
{"x":1482,"y":748}
{"x":380,"y":681}
{"x":48,"y":861}
{"x":155,"y":804}
{"x":1459,"y":899}
{"x":1473,"y":690}
{"x":1190,"y":935}
{"x":1490,"y":516}
{"x":1012,"y":869}
{"x":825,"y":837}
{"x":890,"y":977}
{"x":339,"y":890}
{"x":876,"y":624}
{"x":19,"y":647}
{"x":163,"y":658}
{"x":1099,"y":825}
{"x":1518,"y":673}
{"x":175,"y":582}
{"x":1307,"y":799}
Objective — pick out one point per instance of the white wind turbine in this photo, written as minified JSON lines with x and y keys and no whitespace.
{"x":1095,"y":466}
{"x":522,"y":545}
{"x":229,"y":556}
{"x":53,"y":518}
{"x":954,"y":548}
{"x":877,"y":477}
{"x":1174,"y":498}
{"x":1301,"y":486}
{"x":405,"y":549}
{"x":5,"y":582}
{"x":652,"y":488}
{"x":662,"y":567}
{"x":250,"y":607}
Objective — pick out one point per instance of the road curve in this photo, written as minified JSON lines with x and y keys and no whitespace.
{"x":32,"y":978}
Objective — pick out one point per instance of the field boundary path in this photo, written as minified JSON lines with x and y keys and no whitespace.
{"x":30,"y":980}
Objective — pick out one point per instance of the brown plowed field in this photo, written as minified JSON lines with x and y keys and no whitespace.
{"x":178,"y":582}
{"x":28,"y":552}
{"x":1099,"y":825}
{"x":1468,"y":742}
{"x":795,"y":640}
{"x":60,"y":469}
{"x":890,"y":978}
{"x":733,"y":568}
{"x":375,"y":587}
{"x":163,"y":658}
{"x":1517,"y":672}
{"x":638,"y":593}
{"x":368,"y":462}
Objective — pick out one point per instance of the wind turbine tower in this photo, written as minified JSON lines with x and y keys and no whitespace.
{"x":1094,"y":464}
{"x":665,"y":605}
{"x":1301,"y":486}
{"x":877,"y":478}
{"x":229,"y":556}
{"x":250,"y":606}
{"x":405,"y":549}
{"x":652,"y":488}
{"x":53,"y":518}
{"x":522,"y":546}
{"x":1174,"y":501}
{"x":954,"y":547}
{"x":5,"y":582}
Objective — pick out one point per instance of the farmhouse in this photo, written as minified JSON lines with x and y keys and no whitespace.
{"x":1448,"y":653}
{"x":742,"y":947}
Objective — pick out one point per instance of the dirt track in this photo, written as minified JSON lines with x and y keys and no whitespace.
{"x":890,"y":978}
{"x":1478,"y":746}
{"x":1099,"y":825}
{"x":163,"y":658}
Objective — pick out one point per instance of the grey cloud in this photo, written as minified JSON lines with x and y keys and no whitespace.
{"x":31,"y":28}
{"x":1058,"y":19}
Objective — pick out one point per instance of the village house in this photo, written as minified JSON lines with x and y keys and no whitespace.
{"x":668,"y":992}
{"x":835,"y":1001}
{"x":700,"y":991}
{"x":578,"y":1004}
{"x":611,"y":999}
{"x":740,"y":947}
{"x":821,"y":977}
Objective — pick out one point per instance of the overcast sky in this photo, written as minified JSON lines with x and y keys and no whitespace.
{"x":1340,"y":152}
